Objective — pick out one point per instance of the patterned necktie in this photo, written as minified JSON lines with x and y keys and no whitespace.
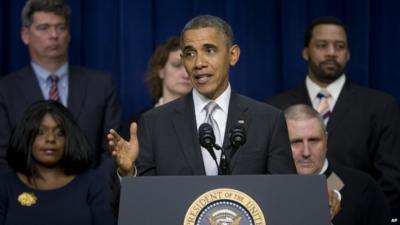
{"x":209,"y":164}
{"x":323,"y":104}
{"x":53,"y":92}
{"x":210,"y":109}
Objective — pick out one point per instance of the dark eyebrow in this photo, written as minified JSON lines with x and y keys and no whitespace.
{"x":340,"y":42}
{"x":209,"y":46}
{"x":187,"y":47}
{"x":296,"y":140}
{"x":314,"y":139}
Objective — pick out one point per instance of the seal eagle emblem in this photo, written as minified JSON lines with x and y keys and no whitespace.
{"x":224,"y":206}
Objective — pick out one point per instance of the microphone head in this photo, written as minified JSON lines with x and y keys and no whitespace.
{"x":206,"y":136}
{"x":237,"y":136}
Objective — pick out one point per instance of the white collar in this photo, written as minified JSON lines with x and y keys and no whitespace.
{"x":324,"y":167}
{"x":159,"y":102}
{"x":333,"y":88}
{"x":42,"y":73}
{"x":200,"y":100}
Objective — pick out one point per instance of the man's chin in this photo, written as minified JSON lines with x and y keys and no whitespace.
{"x":307,"y":169}
{"x":329,"y":76}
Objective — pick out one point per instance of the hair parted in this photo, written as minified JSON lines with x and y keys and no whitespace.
{"x":57,"y":7}
{"x":303,"y":112}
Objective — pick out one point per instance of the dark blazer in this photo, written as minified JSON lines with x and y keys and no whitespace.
{"x":92,"y":99}
{"x":363,"y":133}
{"x":363,"y":202}
{"x":169,"y":141}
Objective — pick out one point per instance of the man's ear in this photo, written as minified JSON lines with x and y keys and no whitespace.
{"x":234,"y":54}
{"x":305,"y":54}
{"x":25,"y":35}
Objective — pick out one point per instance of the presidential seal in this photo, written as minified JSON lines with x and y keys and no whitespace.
{"x":224,"y":206}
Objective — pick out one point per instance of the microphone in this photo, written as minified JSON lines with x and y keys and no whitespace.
{"x":207,"y":138}
{"x":207,"y":141}
{"x":237,"y":136}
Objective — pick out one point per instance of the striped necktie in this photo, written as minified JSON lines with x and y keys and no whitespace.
{"x":209,"y":164}
{"x":323,"y":104}
{"x":53,"y":92}
{"x":210,"y":109}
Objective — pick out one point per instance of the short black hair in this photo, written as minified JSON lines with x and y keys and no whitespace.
{"x":321,"y":21}
{"x":78,"y":155}
{"x":57,"y":7}
{"x":206,"y":21}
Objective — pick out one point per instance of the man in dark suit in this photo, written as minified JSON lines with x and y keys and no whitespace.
{"x":363,"y":124}
{"x":363,"y":202}
{"x":89,"y":95}
{"x":168,"y":137}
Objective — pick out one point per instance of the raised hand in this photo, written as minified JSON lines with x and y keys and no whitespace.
{"x":124,"y":153}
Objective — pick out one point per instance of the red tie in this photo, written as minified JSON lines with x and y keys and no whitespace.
{"x":53,"y":92}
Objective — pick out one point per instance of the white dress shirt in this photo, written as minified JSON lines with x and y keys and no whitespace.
{"x":333,"y":88}
{"x":220,"y":115}
{"x":62,"y":86}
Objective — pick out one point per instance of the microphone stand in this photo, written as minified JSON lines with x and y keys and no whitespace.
{"x":223,"y":167}
{"x":237,"y":137}
{"x":224,"y":164}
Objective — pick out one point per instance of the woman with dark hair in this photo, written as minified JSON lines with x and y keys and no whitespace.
{"x":52,"y":181}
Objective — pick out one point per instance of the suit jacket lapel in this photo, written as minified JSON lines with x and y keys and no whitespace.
{"x":29,"y":85}
{"x":238,"y":111}
{"x":184,"y":121}
{"x":77,"y":90}
{"x":342,"y":105}
{"x":301,"y":95}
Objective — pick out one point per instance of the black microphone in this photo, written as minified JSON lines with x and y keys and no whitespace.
{"x":237,"y":136}
{"x":207,"y":138}
{"x":207,"y":141}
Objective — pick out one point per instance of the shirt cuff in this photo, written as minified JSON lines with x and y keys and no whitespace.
{"x":134,"y":173}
